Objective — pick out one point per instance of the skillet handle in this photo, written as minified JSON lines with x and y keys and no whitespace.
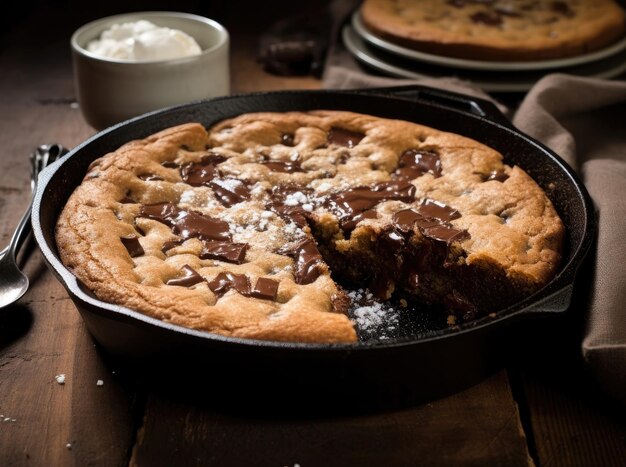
{"x":474,"y":106}
{"x":557,"y":302}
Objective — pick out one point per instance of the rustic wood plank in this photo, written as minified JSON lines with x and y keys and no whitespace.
{"x":574,"y":426}
{"x":43,"y":336}
{"x":572,"y":422}
{"x":478,"y":426}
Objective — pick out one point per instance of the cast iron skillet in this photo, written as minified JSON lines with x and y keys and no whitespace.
{"x":426,"y":362}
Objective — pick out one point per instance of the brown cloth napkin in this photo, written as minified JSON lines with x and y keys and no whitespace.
{"x":584,"y":121}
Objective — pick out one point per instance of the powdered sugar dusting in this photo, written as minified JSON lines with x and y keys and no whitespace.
{"x":188,"y":196}
{"x":295,"y":198}
{"x":371,"y":316}
{"x":230,"y":184}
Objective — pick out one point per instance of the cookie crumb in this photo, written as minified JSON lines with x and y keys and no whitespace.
{"x":60,"y":379}
{"x":99,"y":383}
{"x":69,"y":446}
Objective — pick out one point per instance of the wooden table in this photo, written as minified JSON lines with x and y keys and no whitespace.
{"x":541,"y":409}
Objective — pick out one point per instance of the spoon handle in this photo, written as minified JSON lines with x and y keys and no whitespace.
{"x":40,"y":158}
{"x":21,"y":232}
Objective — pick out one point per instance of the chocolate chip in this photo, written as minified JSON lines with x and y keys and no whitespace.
{"x":187,"y":224}
{"x":224,"y":251}
{"x":188,"y":278}
{"x":167,"y":246}
{"x":414,"y":163}
{"x":438,"y":210}
{"x":230,"y":191}
{"x":431,"y":221}
{"x":497,"y":175}
{"x":291,"y":213}
{"x":224,"y":281}
{"x":203,"y":172}
{"x":444,"y":233}
{"x":308,"y":260}
{"x":265,"y":289}
{"x":134,"y":248}
{"x":343,"y":137}
{"x":356,"y":204}
{"x":287,"y":139}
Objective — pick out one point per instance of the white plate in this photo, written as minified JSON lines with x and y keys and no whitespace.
{"x":490,"y":81}
{"x":441,"y":60}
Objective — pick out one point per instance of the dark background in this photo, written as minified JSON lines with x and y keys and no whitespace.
{"x":256,"y":15}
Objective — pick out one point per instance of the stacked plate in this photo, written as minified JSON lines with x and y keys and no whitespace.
{"x":401,"y":62}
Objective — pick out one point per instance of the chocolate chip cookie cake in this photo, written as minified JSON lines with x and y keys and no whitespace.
{"x":258,"y":226}
{"x":497,"y":30}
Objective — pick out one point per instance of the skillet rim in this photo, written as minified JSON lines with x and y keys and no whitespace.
{"x":478,"y":109}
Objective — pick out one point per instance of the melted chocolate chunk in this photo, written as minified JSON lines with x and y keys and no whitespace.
{"x":224,"y":251}
{"x":225,"y":281}
{"x":414,"y":163}
{"x":431,"y":221}
{"x":167,"y":246}
{"x":356,"y":204}
{"x":230,"y":191}
{"x":284,"y":167}
{"x":295,"y":213}
{"x":170,"y":165}
{"x":406,"y":219}
{"x":287,"y":139}
{"x":437,"y":210}
{"x":189,"y":277}
{"x":445,"y":233}
{"x":133,"y":246}
{"x":187,"y":224}
{"x":351,"y":223}
{"x":308,"y":260}
{"x":562,"y":8}
{"x":484,"y":17}
{"x":497,"y":175}
{"x":203,"y":172}
{"x":150,"y":177}
{"x":343,"y":137}
{"x":266,"y":289}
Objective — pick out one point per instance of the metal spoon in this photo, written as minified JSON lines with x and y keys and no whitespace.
{"x":13,"y":282}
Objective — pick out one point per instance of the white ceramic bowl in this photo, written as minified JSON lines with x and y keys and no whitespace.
{"x":110,"y":90}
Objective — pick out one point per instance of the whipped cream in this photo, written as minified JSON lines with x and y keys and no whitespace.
{"x":143,"y":41}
